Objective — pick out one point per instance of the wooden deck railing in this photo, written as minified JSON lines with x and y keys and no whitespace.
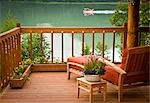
{"x":10,"y":55}
{"x":73,"y":31}
{"x":10,"y":44}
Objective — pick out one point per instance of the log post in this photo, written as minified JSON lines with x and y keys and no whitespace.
{"x":133,"y":19}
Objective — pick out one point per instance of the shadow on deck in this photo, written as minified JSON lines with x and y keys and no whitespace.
{"x":53,"y":87}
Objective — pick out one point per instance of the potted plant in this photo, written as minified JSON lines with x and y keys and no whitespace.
{"x":21,"y":74}
{"x":94,"y":69}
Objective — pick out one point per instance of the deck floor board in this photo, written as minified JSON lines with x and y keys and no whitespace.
{"x":53,"y":87}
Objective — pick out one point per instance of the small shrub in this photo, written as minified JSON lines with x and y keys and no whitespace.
{"x":94,"y":67}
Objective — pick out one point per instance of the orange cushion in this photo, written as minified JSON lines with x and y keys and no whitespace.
{"x":111,"y":75}
{"x":80,"y":60}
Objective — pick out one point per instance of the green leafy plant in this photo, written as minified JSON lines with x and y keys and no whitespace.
{"x":86,"y":49}
{"x":99,"y":47}
{"x":121,"y":14}
{"x":94,"y":67}
{"x":21,"y":68}
{"x":57,"y":60}
{"x":120,"y":17}
{"x":41,"y":60}
{"x":8,"y":23}
{"x":35,"y":46}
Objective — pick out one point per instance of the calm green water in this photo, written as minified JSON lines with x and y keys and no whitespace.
{"x":61,"y":15}
{"x":57,"y":14}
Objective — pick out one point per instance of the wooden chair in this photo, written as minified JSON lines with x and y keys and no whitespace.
{"x":133,"y":71}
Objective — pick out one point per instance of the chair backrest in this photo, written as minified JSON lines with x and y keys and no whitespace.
{"x":137,"y":65}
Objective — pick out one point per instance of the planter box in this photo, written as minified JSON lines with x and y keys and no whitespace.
{"x":18,"y":83}
{"x":49,"y":67}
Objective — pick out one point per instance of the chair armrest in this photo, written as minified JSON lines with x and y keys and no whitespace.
{"x":76,"y":64}
{"x":114,"y":67}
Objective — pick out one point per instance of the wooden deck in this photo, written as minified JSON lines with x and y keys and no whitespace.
{"x":53,"y":87}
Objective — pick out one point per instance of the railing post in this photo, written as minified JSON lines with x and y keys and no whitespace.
{"x":17,"y":24}
{"x":19,"y":42}
{"x":125,"y":36}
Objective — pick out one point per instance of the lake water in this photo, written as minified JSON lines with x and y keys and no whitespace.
{"x":60,"y":15}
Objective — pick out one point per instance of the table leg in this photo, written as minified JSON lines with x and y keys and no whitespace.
{"x":78,"y":92}
{"x":91,"y":93}
{"x":78,"y":88}
{"x":104,"y":92}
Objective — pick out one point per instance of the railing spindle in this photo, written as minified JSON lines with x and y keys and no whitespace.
{"x":72,"y":43}
{"x":5,"y":61}
{"x":8,"y":61}
{"x":52,"y":46}
{"x":10,"y":56}
{"x":82,"y":43}
{"x":3,"y":65}
{"x":18,"y":47}
{"x":113,"y":57}
{"x":93,"y":42}
{"x":30,"y":45}
{"x":13,"y":58}
{"x":62,"y":39}
{"x":15,"y":51}
{"x":41,"y":44}
{"x":103,"y":43}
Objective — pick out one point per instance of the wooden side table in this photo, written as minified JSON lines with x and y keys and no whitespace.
{"x":92,"y":87}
